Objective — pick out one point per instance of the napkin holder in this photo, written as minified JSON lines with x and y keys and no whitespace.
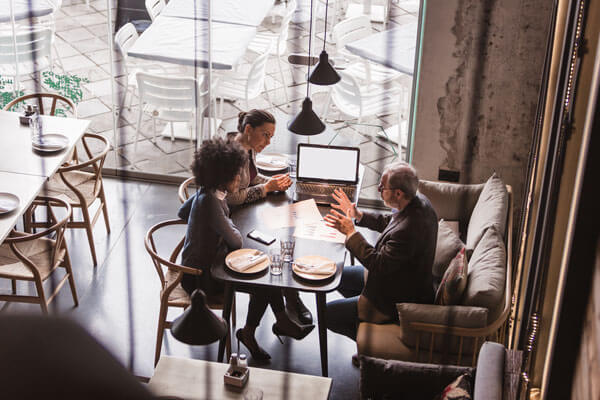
{"x":236,"y":376}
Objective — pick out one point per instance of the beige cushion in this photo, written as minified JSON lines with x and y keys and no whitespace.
{"x":458,"y":316}
{"x":487,"y":274}
{"x":448,"y":244}
{"x":490,"y":210}
{"x":454,"y":281}
{"x":452,"y":201}
{"x":383,"y":341}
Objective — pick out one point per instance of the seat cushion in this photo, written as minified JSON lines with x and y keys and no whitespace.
{"x":454,"y":281}
{"x":382,"y":341}
{"x":490,"y":210}
{"x":487,"y":274}
{"x":82,"y":181}
{"x":38,"y":251}
{"x":448,"y":245}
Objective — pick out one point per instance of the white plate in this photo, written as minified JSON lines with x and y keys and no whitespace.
{"x":8,"y":202}
{"x":50,"y":142}
{"x":252,"y":270}
{"x":312,"y":260}
{"x":272,"y":162}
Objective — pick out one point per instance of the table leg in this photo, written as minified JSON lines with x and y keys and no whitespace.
{"x":228,"y":297}
{"x":322,"y":322}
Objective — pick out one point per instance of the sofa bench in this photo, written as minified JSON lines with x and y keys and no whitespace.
{"x":454,"y":333}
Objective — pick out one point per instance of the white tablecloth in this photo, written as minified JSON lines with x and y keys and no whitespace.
{"x":184,"y":41}
{"x":394,"y":48}
{"x":242,"y":12}
{"x":21,"y":9}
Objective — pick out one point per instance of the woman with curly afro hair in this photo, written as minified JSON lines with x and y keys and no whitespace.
{"x":211,"y":235}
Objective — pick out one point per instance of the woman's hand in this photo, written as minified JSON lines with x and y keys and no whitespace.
{"x":345,"y":205}
{"x":278,"y":183}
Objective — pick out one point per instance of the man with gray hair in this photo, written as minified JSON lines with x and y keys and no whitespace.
{"x":399,"y":265}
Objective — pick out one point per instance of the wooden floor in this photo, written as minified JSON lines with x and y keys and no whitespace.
{"x":119,"y":298}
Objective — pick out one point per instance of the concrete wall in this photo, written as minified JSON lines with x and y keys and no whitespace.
{"x":478,"y":89}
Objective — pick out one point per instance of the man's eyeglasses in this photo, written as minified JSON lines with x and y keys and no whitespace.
{"x":381,"y":188}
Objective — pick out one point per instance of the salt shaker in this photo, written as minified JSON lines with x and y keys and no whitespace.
{"x":242,"y":361}
{"x":233,"y":360}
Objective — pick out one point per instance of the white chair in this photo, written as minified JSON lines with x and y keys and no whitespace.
{"x":350,"y":30}
{"x":33,"y":52}
{"x":154,"y":7}
{"x":263,"y":42}
{"x":232,"y":85}
{"x":360,"y":101}
{"x":171,"y":100}
{"x":126,"y":36}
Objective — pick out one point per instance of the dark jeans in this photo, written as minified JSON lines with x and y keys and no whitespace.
{"x":260,"y":298}
{"x":342,"y":314}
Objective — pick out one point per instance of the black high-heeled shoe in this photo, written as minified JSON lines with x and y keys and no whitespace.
{"x":287,"y":327}
{"x":294,"y":304}
{"x":257,"y":352}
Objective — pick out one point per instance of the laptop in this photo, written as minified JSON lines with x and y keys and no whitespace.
{"x":321,"y":169}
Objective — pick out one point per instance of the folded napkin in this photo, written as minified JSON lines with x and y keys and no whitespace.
{"x":271,"y":162}
{"x":242,"y":263}
{"x":317,"y":268}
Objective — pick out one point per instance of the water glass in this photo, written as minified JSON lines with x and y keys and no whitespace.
{"x":276,"y":264}
{"x":253,"y":394}
{"x":35,"y":127}
{"x":287,"y":249}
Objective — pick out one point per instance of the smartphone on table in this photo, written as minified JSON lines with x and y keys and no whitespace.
{"x":261,"y":237}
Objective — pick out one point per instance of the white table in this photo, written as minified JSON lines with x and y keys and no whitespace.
{"x":26,"y":188}
{"x":21,"y":9}
{"x":16,"y":153}
{"x":185,"y":41}
{"x":196,"y":379}
{"x":394,"y":48}
{"x":241,"y":12}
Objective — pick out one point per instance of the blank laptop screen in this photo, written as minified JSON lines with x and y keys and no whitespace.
{"x":331,"y":164}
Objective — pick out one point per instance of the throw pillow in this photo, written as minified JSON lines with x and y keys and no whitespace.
{"x":490,"y":210}
{"x":454,"y":281}
{"x":448,"y":244}
{"x":460,"y":389}
{"x":487,"y":275}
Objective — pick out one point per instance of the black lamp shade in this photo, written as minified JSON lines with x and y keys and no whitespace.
{"x":324,"y":73}
{"x":306,"y":123}
{"x":198,"y":325}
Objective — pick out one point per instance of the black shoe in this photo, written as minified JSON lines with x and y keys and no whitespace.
{"x":287,"y":327}
{"x":295,"y":305}
{"x":258,"y":353}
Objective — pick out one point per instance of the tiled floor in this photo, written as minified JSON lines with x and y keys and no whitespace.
{"x":81,"y":42}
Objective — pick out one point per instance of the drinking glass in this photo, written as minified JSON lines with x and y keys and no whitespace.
{"x":253,"y":394}
{"x":34,"y":126}
{"x":287,"y":249}
{"x":276,"y":264}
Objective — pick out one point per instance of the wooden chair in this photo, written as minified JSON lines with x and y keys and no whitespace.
{"x":40,"y":101}
{"x":183,"y":192}
{"x":170,"y":274}
{"x":80,"y":184}
{"x":34,"y":257}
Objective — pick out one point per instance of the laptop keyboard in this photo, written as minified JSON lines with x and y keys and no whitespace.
{"x":323,"y":190}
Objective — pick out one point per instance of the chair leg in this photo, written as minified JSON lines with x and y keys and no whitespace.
{"x":67,"y":265}
{"x":88,"y":229}
{"x":325,"y":111}
{"x":104,"y":209}
{"x":283,"y":85}
{"x":162,"y":317}
{"x":233,"y":313}
{"x":172,"y":132}
{"x":40,"y":290}
{"x":132,"y":94}
{"x":14,"y":286}
{"x":269,"y":97}
{"x":137,"y":133}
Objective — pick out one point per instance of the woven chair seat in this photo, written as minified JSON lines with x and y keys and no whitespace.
{"x":38,"y":251}
{"x":83,"y":181}
{"x":178,"y":297}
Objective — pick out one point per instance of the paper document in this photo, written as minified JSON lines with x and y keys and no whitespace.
{"x":291,"y":214}
{"x":319,"y":231}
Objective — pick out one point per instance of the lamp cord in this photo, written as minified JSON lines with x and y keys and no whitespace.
{"x":309,"y":47}
{"x":325,"y":34}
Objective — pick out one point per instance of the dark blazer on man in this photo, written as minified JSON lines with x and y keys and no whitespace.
{"x":400,"y":263}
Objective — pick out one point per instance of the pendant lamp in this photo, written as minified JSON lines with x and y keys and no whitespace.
{"x":307,"y":123}
{"x":324,"y":73}
{"x":198,"y":325}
